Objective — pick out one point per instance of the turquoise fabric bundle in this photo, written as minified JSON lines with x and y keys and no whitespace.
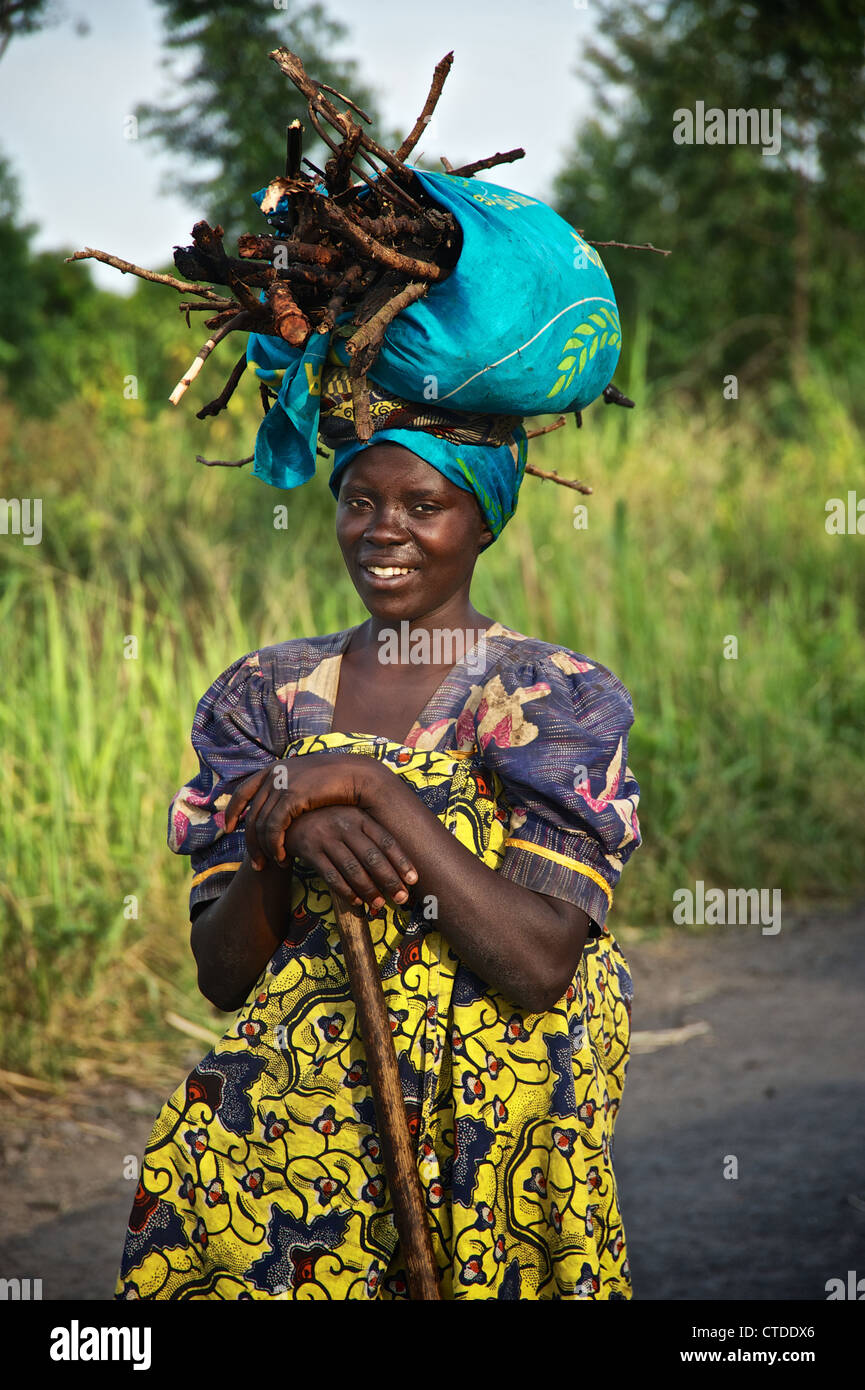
{"x":525,"y":324}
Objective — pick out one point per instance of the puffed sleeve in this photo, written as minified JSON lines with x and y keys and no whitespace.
{"x":239,"y":728}
{"x":555,"y":729}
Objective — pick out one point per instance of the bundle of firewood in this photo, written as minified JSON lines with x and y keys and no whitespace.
{"x":361,"y":235}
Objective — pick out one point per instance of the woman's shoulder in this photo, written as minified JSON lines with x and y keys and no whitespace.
{"x":259,"y":691}
{"x":299,"y":656}
{"x":281,"y":663}
{"x":519,"y":660}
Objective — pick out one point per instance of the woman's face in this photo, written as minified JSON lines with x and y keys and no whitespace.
{"x":395,"y":511}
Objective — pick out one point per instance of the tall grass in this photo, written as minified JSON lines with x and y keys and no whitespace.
{"x":700,"y":528}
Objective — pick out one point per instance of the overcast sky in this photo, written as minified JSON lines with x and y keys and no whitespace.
{"x":64,"y":95}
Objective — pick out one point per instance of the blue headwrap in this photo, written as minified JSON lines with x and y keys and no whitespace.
{"x":489,"y":471}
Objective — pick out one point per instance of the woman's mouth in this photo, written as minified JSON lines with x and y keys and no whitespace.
{"x":388,"y":576}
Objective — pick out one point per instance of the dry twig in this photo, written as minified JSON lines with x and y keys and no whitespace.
{"x":442,"y":69}
{"x":554,"y":478}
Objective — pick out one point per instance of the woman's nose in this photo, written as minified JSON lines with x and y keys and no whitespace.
{"x":387,"y":523}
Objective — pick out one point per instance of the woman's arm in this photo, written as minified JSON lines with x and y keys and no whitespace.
{"x":524,"y":943}
{"x":234,"y":937}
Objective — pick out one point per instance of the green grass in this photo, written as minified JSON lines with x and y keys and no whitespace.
{"x":699,"y":528}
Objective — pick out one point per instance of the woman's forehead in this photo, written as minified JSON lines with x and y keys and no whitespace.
{"x":390,"y":467}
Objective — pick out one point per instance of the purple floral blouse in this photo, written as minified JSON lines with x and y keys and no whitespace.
{"x":550,"y":723}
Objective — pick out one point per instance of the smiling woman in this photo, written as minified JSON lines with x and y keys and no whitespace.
{"x":482,"y":810}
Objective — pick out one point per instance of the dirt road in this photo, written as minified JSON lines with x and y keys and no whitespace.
{"x":771,"y":1087}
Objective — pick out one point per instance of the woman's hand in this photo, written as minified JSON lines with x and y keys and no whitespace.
{"x":356,"y":856}
{"x":278,"y":795}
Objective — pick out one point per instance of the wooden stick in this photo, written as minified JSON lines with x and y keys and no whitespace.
{"x":348,"y":101}
{"x":466,"y":170}
{"x":293,"y":148}
{"x":293,"y":68}
{"x":384,"y":179}
{"x":407,"y":265}
{"x":221,"y":401}
{"x":627,"y":246}
{"x":352,"y":277}
{"x":554,"y":478}
{"x":438,"y":81}
{"x":223,"y":463}
{"x":372,"y":333}
{"x":533,"y":434}
{"x":240,"y":320}
{"x":398,"y":1151}
{"x":208,"y":305}
{"x":127,"y":268}
{"x":350,"y":144}
{"x":360,"y":399}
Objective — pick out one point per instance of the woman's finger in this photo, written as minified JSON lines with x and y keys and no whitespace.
{"x":347,"y":854}
{"x":242,"y":797}
{"x":390,"y":848}
{"x":369,"y":863}
{"x":272,"y":821}
{"x":328,"y":870}
{"x":375,"y":866}
{"x":253,"y":829}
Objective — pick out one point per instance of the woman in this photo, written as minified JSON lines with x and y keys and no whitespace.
{"x":482,"y":811}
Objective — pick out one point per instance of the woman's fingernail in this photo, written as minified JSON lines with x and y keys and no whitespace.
{"x":410,"y":876}
{"x":377,"y":904}
{"x":401,"y":896}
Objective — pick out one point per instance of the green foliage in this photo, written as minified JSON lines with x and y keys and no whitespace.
{"x":768,"y":252}
{"x":21,"y":17}
{"x":19,"y":319}
{"x":62,"y":338}
{"x":230,"y":104}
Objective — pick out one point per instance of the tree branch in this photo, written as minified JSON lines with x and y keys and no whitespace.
{"x":438,"y":81}
{"x":466,"y":170}
{"x":127,"y":268}
{"x":241,"y":320}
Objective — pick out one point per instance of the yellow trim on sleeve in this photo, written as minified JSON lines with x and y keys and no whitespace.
{"x":557,"y":858}
{"x":214,"y":869}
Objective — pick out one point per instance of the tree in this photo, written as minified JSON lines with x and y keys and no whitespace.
{"x":18,"y":17}
{"x":768,"y":248}
{"x":18,"y":318}
{"x":231,"y":105}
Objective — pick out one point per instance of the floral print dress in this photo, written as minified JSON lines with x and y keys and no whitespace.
{"x":263,"y":1176}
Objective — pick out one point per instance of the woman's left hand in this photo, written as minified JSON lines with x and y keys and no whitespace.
{"x":284,"y":790}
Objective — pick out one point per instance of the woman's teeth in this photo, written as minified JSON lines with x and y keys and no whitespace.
{"x":386,"y":573}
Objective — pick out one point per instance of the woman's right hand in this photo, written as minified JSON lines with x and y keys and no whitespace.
{"x":356,"y":856}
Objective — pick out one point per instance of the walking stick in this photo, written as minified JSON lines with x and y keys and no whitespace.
{"x":397,"y":1147}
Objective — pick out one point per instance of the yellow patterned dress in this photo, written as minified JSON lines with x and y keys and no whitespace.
{"x":263,"y":1175}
